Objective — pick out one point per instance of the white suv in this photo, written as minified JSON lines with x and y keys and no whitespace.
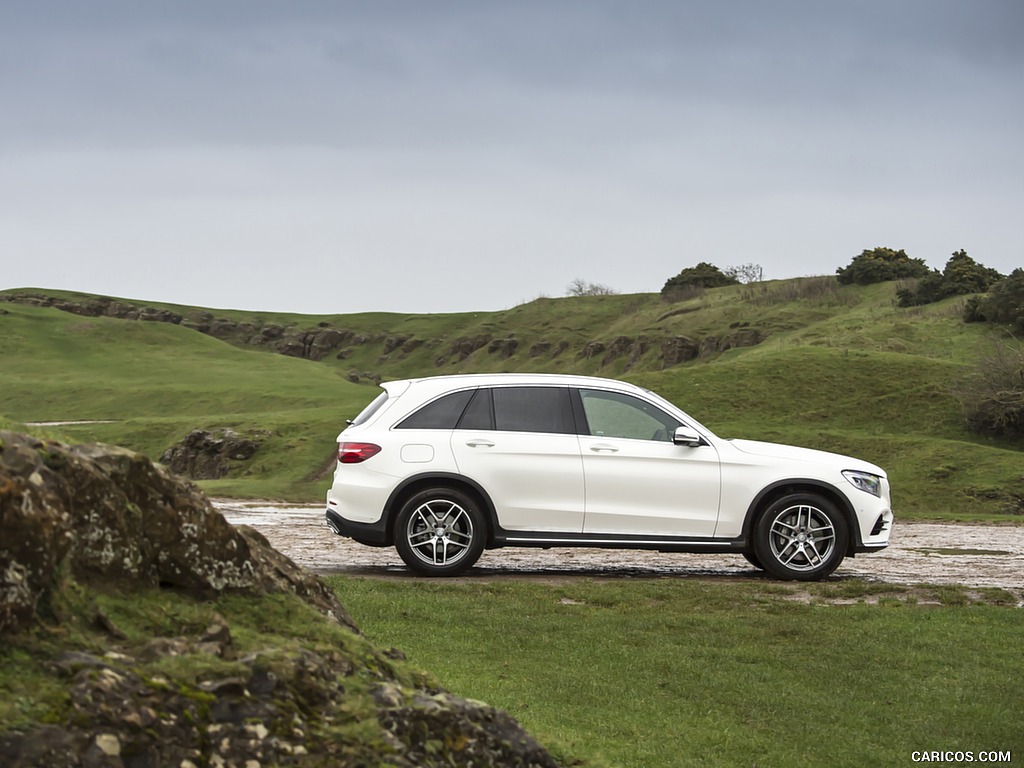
{"x":445,"y":467}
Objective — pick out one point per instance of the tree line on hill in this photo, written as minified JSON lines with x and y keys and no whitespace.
{"x":994,"y":298}
{"x":992,"y":394}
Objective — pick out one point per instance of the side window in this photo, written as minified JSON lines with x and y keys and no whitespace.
{"x":480,"y":413}
{"x":612,"y":414}
{"x":533,"y":409}
{"x":442,"y":413}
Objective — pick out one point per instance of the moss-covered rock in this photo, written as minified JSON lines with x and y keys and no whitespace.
{"x":117,"y":579}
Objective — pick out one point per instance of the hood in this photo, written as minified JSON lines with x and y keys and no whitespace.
{"x":809,"y":455}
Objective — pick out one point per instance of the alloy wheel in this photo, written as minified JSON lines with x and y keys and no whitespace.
{"x":802,"y":537}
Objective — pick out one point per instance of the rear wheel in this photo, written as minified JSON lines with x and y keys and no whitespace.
{"x":802,"y":537}
{"x":440,"y":532}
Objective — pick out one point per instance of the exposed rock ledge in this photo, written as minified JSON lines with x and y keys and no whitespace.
{"x":322,"y":341}
{"x":75,"y":519}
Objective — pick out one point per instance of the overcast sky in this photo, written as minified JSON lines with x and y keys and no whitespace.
{"x":421,"y":156}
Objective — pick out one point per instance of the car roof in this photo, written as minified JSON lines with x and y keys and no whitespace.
{"x":518,"y":378}
{"x":455,"y":381}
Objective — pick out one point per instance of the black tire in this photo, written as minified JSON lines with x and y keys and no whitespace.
{"x":440,"y":532}
{"x":752,"y":558}
{"x":801,"y":537}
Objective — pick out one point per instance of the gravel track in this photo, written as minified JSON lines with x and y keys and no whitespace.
{"x":918,"y":553}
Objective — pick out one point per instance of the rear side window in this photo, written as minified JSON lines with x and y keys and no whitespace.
{"x":533,"y":409}
{"x":480,"y":412}
{"x":443,"y":413}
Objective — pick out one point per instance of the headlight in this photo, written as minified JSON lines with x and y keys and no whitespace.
{"x":864,"y":481}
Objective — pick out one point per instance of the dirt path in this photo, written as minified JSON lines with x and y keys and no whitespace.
{"x":969,"y":555}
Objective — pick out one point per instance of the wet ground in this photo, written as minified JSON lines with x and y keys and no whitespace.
{"x":932,"y":553}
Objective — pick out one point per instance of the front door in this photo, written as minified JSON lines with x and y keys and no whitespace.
{"x":637,"y":480}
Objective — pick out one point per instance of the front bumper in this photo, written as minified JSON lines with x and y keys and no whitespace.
{"x":874,"y":535}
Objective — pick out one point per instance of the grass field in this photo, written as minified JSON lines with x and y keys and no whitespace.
{"x":651,"y":673}
{"x":637,"y":672}
{"x":840,"y":368}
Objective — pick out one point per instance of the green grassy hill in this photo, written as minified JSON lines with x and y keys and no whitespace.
{"x":802,"y":361}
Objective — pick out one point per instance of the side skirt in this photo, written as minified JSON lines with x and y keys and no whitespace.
{"x":611,"y":541}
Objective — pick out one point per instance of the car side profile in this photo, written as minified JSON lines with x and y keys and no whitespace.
{"x":445,"y":467}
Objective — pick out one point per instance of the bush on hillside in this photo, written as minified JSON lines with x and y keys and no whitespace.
{"x":962,"y":275}
{"x":993,"y":395}
{"x":703,"y":275}
{"x":1004,"y":304}
{"x":880,"y":265}
{"x":580,"y":287}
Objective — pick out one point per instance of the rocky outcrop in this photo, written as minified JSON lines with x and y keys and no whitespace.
{"x":99,"y":306}
{"x":744,"y":337}
{"x":324,"y":341}
{"x":205,"y":455}
{"x":102,"y":513}
{"x":270,"y":713}
{"x":463,"y":347}
{"x":630,"y":347}
{"x":83,"y":518}
{"x":679,"y":349}
{"x":503,"y":347}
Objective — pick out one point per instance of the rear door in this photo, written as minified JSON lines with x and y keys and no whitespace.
{"x":519,"y":444}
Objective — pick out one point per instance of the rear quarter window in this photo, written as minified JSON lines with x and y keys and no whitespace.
{"x":372,"y":408}
{"x":443,"y":413}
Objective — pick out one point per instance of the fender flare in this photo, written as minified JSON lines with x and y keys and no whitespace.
{"x":796,"y":485}
{"x":426,"y":479}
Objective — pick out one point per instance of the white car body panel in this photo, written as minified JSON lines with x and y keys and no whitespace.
{"x":535,"y":480}
{"x":650,"y":487}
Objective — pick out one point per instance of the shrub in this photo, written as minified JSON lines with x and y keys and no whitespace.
{"x":682,"y":293}
{"x":881,"y":265}
{"x":962,"y":275}
{"x":703,"y":275}
{"x":992,"y":396}
{"x":1004,"y":304}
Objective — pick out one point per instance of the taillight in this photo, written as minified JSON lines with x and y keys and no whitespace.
{"x":354,"y":453}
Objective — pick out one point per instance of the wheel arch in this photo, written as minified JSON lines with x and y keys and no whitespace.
{"x":782,"y":488}
{"x":412,"y":485}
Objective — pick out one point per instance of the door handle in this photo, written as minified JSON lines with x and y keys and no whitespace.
{"x":604,"y":447}
{"x":479,"y":443}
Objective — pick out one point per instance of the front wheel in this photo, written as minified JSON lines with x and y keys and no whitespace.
{"x":801,"y":537}
{"x":440,"y":532}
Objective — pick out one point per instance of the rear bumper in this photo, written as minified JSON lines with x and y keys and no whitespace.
{"x":370,"y":534}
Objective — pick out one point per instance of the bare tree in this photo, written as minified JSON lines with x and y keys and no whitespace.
{"x":746,"y":273}
{"x":580,"y":287}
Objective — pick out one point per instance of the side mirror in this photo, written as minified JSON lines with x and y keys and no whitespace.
{"x":686,"y":436}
